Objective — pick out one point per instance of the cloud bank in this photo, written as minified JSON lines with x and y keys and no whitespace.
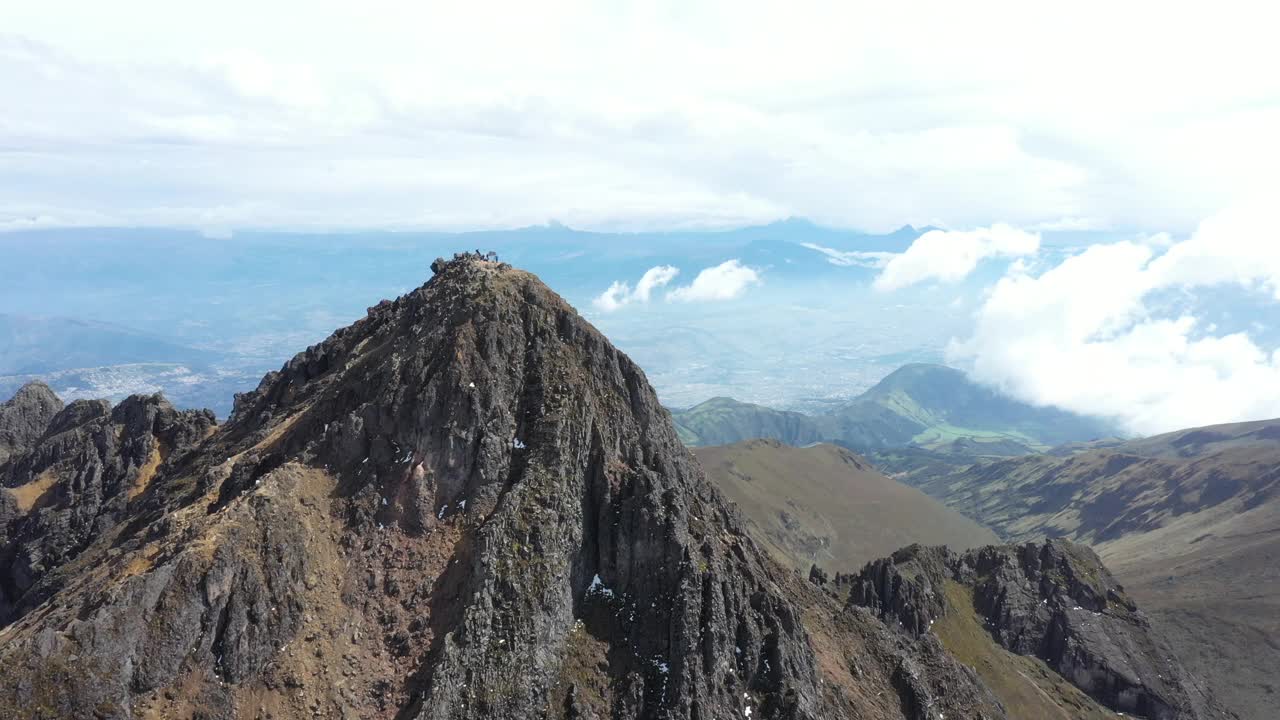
{"x":620,"y":293}
{"x":725,"y":281}
{"x":1086,"y":335}
{"x":950,"y":255}
{"x":633,"y":115}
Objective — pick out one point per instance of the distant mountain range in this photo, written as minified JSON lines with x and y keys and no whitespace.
{"x":918,"y":405}
{"x":1189,"y":521}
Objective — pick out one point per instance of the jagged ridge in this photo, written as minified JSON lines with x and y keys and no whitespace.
{"x":72,"y":478}
{"x":1054,"y":601}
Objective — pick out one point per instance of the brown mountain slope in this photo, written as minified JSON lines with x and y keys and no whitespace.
{"x":1189,"y":521}
{"x":466,"y":505}
{"x":823,"y":504}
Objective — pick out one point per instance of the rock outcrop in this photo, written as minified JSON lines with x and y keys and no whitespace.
{"x":72,"y":477}
{"x":1054,"y":601}
{"x":24,"y":417}
{"x":468,"y":504}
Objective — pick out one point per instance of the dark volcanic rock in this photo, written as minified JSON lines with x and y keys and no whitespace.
{"x":466,"y":505}
{"x":1054,"y":601}
{"x":905,"y":589}
{"x":70,"y":487}
{"x":24,"y":418}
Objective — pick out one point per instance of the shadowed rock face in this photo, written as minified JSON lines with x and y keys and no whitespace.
{"x":466,"y":505}
{"x":74,"y":481}
{"x":24,"y":417}
{"x":1054,"y":601}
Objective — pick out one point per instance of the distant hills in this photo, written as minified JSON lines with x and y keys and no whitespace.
{"x":85,"y":359}
{"x":1189,"y":521}
{"x":823,"y":504}
{"x":918,"y":405}
{"x":723,"y":421}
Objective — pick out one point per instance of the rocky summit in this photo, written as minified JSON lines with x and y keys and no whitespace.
{"x":468,"y":504}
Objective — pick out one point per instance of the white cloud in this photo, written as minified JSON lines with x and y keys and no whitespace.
{"x":1086,"y":336}
{"x":636,"y":115}
{"x":853,"y":258}
{"x":950,"y":255}
{"x":726,"y":281}
{"x":654,"y":277}
{"x":620,"y":293}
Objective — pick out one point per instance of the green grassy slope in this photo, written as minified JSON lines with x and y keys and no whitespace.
{"x":719,"y":421}
{"x":1026,"y":686}
{"x":942,"y":405}
{"x":919,"y":405}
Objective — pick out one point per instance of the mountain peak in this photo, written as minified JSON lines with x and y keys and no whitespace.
{"x":24,"y":417}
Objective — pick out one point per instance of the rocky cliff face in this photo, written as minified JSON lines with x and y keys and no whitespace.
{"x":73,"y":477}
{"x":466,"y":505}
{"x":24,"y":417}
{"x":1053,"y":601}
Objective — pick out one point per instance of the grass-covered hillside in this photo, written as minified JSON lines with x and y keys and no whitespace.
{"x":823,"y":504}
{"x":918,"y":405}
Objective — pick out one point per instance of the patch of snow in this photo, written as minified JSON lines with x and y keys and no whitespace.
{"x":440,"y":515}
{"x":597,"y":586}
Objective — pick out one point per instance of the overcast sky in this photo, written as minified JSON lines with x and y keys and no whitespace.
{"x":635,"y":115}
